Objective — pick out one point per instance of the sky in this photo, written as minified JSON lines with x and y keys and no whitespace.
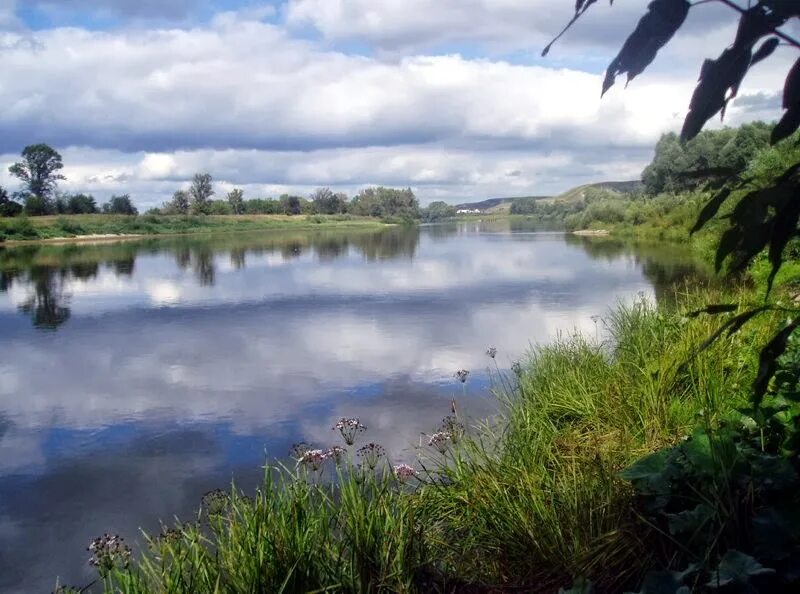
{"x":448,"y":97}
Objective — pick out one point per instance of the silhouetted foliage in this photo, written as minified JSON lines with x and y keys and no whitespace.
{"x":728,"y":494}
{"x":767,"y":216}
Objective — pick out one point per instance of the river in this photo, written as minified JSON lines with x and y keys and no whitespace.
{"x":136,"y":376}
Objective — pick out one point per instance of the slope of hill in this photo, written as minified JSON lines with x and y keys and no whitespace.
{"x":623,"y":187}
{"x":503,"y":205}
{"x":496,"y":205}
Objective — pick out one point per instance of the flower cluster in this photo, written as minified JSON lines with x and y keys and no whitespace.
{"x":170,"y":534}
{"x":371,"y":454}
{"x":492,"y":352}
{"x":215,"y":502}
{"x":109,"y":551}
{"x":313,"y":459}
{"x":516,"y":367}
{"x":462,"y":375}
{"x":336,"y":453}
{"x":349,"y":428}
{"x":404,"y":472}
{"x":299,"y":449}
{"x":453,"y":427}
{"x":440,"y":440}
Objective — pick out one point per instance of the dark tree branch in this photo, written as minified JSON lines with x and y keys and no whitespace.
{"x":778,"y":33}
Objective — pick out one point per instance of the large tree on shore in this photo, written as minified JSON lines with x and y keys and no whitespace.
{"x":39,"y":172}
{"x":180,"y":202}
{"x":236,"y":201}
{"x":324,"y":201}
{"x":201,"y":192}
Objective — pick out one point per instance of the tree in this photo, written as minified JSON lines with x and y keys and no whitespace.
{"x":324,"y":201}
{"x":39,"y":172}
{"x":120,"y":205}
{"x":386,"y":202}
{"x":291,"y":205}
{"x":8,"y":208}
{"x":180,"y":202}
{"x":437,"y":211}
{"x":236,"y":201}
{"x":81,"y":204}
{"x":713,"y":154}
{"x":200,"y":193}
{"x":219,"y":207}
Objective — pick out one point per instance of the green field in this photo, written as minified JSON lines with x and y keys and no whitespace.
{"x":69,"y":227}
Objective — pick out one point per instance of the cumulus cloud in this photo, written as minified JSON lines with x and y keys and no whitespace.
{"x":8,"y":18}
{"x":400,"y":25}
{"x":140,"y":110}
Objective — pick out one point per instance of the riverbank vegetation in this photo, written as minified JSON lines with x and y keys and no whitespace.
{"x":526,"y":502}
{"x":30,"y":212}
{"x":639,"y":458}
{"x":631,"y":459}
{"x":64,"y":227}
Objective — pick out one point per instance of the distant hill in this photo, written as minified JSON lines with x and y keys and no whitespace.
{"x":623,"y":187}
{"x":496,"y":205}
{"x":503,"y":205}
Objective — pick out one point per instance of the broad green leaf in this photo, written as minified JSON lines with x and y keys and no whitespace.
{"x":736,"y":568}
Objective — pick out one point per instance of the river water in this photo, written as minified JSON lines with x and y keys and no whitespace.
{"x":136,"y":376}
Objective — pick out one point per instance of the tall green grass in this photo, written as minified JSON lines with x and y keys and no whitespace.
{"x":69,"y":226}
{"x":546,"y":502}
{"x":528,"y":501}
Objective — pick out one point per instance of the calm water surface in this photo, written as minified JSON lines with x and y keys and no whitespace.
{"x":134,"y":377}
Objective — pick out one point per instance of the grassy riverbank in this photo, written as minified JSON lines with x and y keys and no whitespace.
{"x":530,"y":501}
{"x":633,"y":459}
{"x":85,"y":226}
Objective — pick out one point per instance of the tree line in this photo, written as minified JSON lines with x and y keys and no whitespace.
{"x":39,"y":172}
{"x":677,"y":167}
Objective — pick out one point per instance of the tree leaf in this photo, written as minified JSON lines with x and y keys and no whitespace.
{"x":714,"y":309}
{"x":791,"y":88}
{"x":648,"y":468}
{"x":710,"y":210}
{"x":665,"y":582}
{"x":690,"y":521}
{"x":783,"y":230}
{"x":716,"y":77}
{"x":743,"y":318}
{"x":768,"y":360}
{"x":791,"y":103}
{"x":786,"y":126}
{"x":581,"y":6}
{"x":736,"y":568}
{"x":765,"y":51}
{"x":654,"y":30}
{"x":580,"y":586}
{"x":731,"y":326}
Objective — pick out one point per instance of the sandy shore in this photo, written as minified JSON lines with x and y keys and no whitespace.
{"x":96,"y":238}
{"x":591,"y":232}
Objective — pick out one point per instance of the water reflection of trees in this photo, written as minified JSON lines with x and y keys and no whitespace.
{"x":46,"y":271}
{"x":666,"y":267}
